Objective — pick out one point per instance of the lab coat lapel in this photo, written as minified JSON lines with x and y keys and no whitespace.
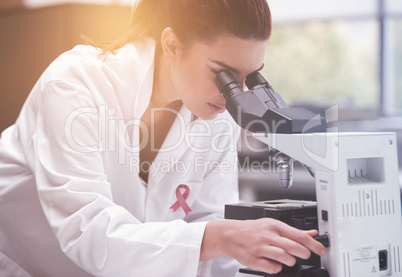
{"x":173,"y":148}
{"x":141,"y":104}
{"x":145,"y":69}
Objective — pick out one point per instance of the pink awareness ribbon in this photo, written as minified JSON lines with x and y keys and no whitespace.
{"x":181,"y":199}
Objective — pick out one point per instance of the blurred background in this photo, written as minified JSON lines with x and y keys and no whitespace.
{"x":342,"y":54}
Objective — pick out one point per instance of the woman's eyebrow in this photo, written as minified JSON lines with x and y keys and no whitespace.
{"x":227,"y":67}
{"x":232,"y":69}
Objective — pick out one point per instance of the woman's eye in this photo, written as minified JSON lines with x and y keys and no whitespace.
{"x":216,"y":72}
{"x":241,"y":81}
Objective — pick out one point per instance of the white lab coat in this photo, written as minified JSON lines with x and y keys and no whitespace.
{"x":71,"y":200}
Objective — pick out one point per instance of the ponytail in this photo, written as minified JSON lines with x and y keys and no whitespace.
{"x":196,"y":20}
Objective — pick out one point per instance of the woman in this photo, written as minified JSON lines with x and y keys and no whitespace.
{"x":121,"y":165}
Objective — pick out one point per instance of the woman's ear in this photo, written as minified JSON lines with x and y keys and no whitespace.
{"x":171,"y":46}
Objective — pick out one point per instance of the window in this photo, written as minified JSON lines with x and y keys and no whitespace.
{"x":393,"y":66}
{"x":325,"y":62}
{"x":397,"y":66}
{"x":337,"y":52}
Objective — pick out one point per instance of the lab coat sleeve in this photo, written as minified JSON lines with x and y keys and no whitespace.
{"x":101,"y":237}
{"x":8,"y":268}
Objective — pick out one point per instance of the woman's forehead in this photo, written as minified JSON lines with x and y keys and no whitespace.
{"x":232,"y":53}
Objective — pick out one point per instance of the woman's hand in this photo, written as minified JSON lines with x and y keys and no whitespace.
{"x":264,"y":244}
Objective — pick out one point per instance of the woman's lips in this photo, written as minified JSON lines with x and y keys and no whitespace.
{"x":217,"y":109}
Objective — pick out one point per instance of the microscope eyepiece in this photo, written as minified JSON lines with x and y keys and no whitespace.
{"x":254,"y":79}
{"x":227,"y":84}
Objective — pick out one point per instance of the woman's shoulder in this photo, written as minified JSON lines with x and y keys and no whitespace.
{"x":85,"y":61}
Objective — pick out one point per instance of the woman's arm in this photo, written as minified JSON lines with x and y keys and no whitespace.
{"x":262,"y":244}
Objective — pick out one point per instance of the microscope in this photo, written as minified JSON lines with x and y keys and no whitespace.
{"x":357,"y":209}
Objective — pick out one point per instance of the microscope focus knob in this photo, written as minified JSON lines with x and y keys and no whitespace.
{"x":314,"y":272}
{"x":323,"y":239}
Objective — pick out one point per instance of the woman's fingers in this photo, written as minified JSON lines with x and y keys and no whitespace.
{"x":293,"y":248}
{"x":312,"y":233}
{"x":263,"y":244}
{"x":303,"y":238}
{"x":266,"y":265}
{"x":279,"y":255}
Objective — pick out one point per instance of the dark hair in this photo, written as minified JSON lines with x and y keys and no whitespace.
{"x":197,"y":20}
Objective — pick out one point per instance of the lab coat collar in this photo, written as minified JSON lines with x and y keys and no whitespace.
{"x":174,"y":145}
{"x":145,"y":69}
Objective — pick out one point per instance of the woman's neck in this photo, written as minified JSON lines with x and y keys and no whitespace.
{"x":163,"y":93}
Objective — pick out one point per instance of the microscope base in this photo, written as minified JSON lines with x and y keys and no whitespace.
{"x":297,"y":272}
